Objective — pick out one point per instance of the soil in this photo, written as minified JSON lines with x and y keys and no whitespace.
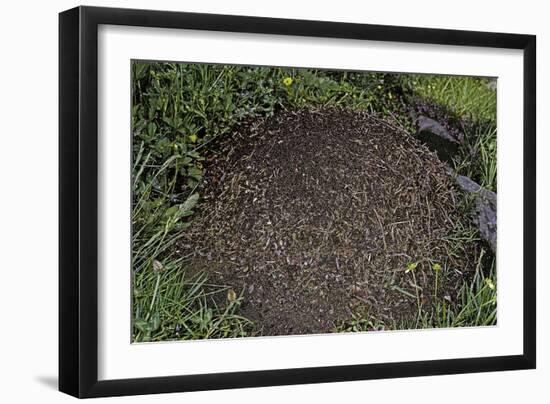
{"x":314,"y":215}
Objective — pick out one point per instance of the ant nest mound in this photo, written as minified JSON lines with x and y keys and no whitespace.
{"x":316,"y":215}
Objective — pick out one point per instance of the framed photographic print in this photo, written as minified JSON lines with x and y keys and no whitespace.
{"x":251,"y":201}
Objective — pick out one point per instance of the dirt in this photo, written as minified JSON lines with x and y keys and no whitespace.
{"x":315,"y":215}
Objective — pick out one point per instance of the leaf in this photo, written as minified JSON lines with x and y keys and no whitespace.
{"x":190,"y":203}
{"x":172,"y":211}
{"x":155,"y":322}
{"x":195,"y":172}
{"x":151,"y":128}
{"x":207,"y":316}
{"x":142,"y":325}
{"x":182,"y":225}
{"x":193,"y":154}
{"x":406,"y":293}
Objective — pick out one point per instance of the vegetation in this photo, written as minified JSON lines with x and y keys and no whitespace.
{"x":472,"y":102}
{"x":178,"y":110}
{"x":168,"y":304}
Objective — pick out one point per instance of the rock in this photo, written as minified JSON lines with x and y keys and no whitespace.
{"x":485,"y":215}
{"x":445,"y":141}
{"x":438,"y":138}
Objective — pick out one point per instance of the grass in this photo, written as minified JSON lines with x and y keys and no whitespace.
{"x":166,"y":303}
{"x":473,"y":102}
{"x":178,"y":307}
{"x":475,"y":304}
{"x":468,"y":97}
{"x":179,"y":110}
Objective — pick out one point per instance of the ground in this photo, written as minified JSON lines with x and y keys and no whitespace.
{"x":317,"y":215}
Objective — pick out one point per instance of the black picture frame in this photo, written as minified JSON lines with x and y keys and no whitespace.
{"x":78,"y":201}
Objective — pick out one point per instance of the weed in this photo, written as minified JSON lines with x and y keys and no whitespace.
{"x":361,"y":323}
{"x":476,"y":303}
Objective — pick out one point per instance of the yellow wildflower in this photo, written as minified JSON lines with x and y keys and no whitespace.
{"x":193,"y":138}
{"x":411,"y":266}
{"x":231,"y":295}
{"x":287,"y":81}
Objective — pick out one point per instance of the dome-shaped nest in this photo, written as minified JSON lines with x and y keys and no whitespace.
{"x":317,"y":214}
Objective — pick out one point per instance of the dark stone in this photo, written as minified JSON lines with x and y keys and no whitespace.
{"x":438,"y":138}
{"x":446,"y":140}
{"x":485,"y":215}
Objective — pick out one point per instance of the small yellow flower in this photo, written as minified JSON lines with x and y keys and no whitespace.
{"x":489,"y":283}
{"x":231,"y":295}
{"x":411,"y":266}
{"x":287,"y":81}
{"x":436,"y":267}
{"x":193,"y":138}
